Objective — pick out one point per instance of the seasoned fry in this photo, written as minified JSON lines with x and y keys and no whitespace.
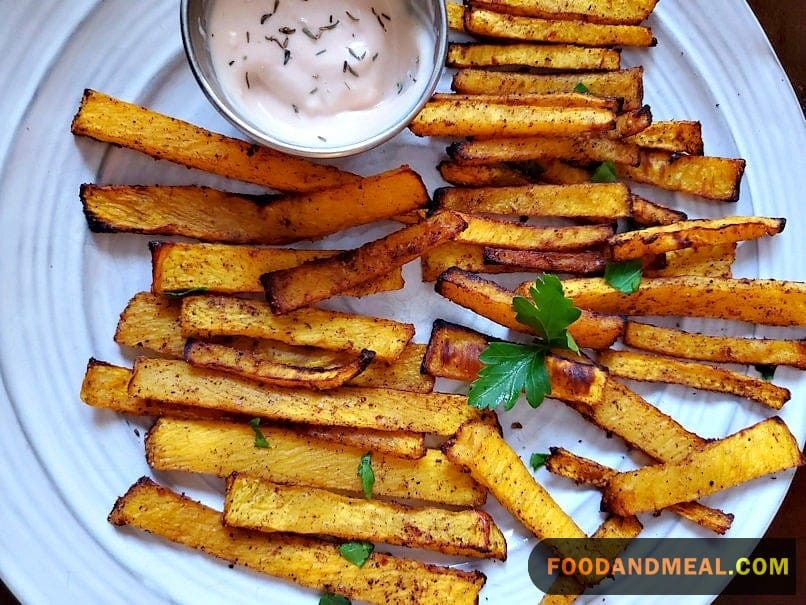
{"x":223,"y":448}
{"x":217,"y":216}
{"x":582,"y":470}
{"x":555,"y":172}
{"x":648,"y":214}
{"x":561,"y":99}
{"x":690,"y":234}
{"x":469,"y":257}
{"x":723,"y":349}
{"x":453,"y":352}
{"x":596,"y":11}
{"x":707,"y":261}
{"x":456,"y":16}
{"x":306,"y":284}
{"x":523,"y":149}
{"x":226,"y":358}
{"x":177,"y":382}
{"x":682,"y":136}
{"x":625,"y":84}
{"x":210,"y":316}
{"x":600,"y":201}
{"x":493,"y":463}
{"x":709,"y":177}
{"x":764,"y":448}
{"x":307,"y":561}
{"x":111,"y":120}
{"x":549,"y":56}
{"x":403,"y":374}
{"x":400,"y":444}
{"x":152,"y":322}
{"x":579,"y":263}
{"x":490,"y":175}
{"x":179,"y":267}
{"x":254,"y":503}
{"x":466,"y":117}
{"x":491,"y":24}
{"x":656,"y":368}
{"x":631,"y":122}
{"x":490,"y":300}
{"x":761,"y":301}
{"x":485,"y":231}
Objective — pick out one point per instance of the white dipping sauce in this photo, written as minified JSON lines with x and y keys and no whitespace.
{"x":321,"y":74}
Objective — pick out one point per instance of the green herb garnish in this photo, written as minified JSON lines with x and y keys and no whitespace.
{"x":366,"y":474}
{"x":184,"y":293}
{"x":260,"y":439}
{"x":356,"y":553}
{"x":333,"y":599}
{"x":581,"y":88}
{"x":537,"y":460}
{"x":624,"y":276}
{"x":767,"y":371}
{"x":510,"y":368}
{"x":605,"y":173}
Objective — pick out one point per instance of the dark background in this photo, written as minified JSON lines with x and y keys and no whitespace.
{"x":784,"y":22}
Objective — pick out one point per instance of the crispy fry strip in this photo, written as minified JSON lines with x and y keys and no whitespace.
{"x":762,"y":301}
{"x":483,"y":231}
{"x":466,"y":117}
{"x":490,"y":175}
{"x":549,"y":56}
{"x":682,"y":136}
{"x":560,"y":99}
{"x":177,"y":382}
{"x":578,"y":263}
{"x":111,"y":120}
{"x":307,"y":561}
{"x":453,"y":352}
{"x":722,"y":349}
{"x":207,"y":317}
{"x":306,"y":284}
{"x":218,"y":216}
{"x":582,"y":470}
{"x":491,"y":24}
{"x":223,"y":448}
{"x":596,"y":11}
{"x":625,"y":84}
{"x":706,"y":261}
{"x":600,"y":201}
{"x":180,"y":267}
{"x":648,"y":214}
{"x":764,"y":448}
{"x":656,"y":368}
{"x":469,"y":257}
{"x":490,"y":300}
{"x":690,"y":234}
{"x":523,"y":149}
{"x":254,"y":503}
{"x":230,"y":359}
{"x":709,"y":177}
{"x":493,"y":463}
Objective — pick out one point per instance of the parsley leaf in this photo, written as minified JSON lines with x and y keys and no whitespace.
{"x":260,"y":439}
{"x":510,"y":369}
{"x":605,"y":173}
{"x":537,"y":460}
{"x":185,"y":293}
{"x":333,"y":599}
{"x":580,"y":87}
{"x":767,"y":371}
{"x":356,"y":553}
{"x":366,"y":474}
{"x":625,"y":276}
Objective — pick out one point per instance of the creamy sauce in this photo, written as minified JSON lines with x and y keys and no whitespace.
{"x":321,"y":74}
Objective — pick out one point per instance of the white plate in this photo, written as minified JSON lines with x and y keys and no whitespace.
{"x":64,"y":464}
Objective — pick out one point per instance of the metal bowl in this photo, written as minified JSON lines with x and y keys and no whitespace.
{"x":194,"y":25}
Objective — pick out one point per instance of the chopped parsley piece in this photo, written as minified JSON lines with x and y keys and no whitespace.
{"x":625,"y":276}
{"x":580,"y":87}
{"x":333,"y":599}
{"x":767,"y":371}
{"x":537,"y":460}
{"x":510,"y":368}
{"x":184,"y":293}
{"x":366,"y":474}
{"x":605,"y":173}
{"x":356,"y":553}
{"x":260,"y":439}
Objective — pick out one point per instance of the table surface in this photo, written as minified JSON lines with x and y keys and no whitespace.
{"x":783,"y":20}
